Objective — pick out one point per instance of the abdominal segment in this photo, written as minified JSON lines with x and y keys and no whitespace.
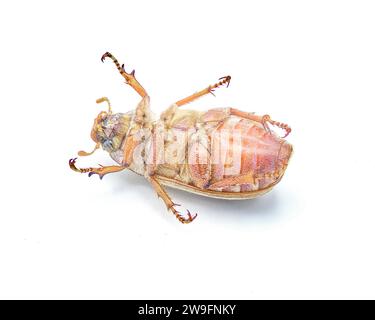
{"x":222,"y":153}
{"x":210,"y":151}
{"x":246,"y":156}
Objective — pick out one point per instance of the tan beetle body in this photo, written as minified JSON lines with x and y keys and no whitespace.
{"x":220,"y":153}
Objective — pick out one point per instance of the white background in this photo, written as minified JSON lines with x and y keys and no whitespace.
{"x":308,"y":63}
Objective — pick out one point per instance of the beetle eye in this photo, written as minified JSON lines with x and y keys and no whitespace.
{"x":107,"y":144}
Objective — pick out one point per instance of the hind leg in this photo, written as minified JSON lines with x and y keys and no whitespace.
{"x":261,"y":119}
{"x":168,"y":201}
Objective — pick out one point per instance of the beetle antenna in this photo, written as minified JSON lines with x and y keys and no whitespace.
{"x":84,"y":153}
{"x":105,"y":99}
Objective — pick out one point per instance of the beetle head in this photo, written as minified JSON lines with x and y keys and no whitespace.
{"x":109,"y":129}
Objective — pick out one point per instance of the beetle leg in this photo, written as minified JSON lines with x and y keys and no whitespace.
{"x":209,"y":89}
{"x":261,"y":119}
{"x":169,"y":203}
{"x":129,"y":77}
{"x":102,"y":171}
{"x":281,"y":125}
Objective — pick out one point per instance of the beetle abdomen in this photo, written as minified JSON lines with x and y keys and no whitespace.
{"x":246,"y":157}
{"x":223,"y":153}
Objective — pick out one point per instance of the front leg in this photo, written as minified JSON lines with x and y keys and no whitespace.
{"x":168,"y":201}
{"x":101,"y":171}
{"x":129,"y":77}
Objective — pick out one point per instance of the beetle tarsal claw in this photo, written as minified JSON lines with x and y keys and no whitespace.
{"x":191,"y":218}
{"x":90,"y":171}
{"x":105,"y":56}
{"x":267,"y":120}
{"x":101,"y":171}
{"x":222,"y":81}
{"x":180,"y":217}
{"x":72,"y":165}
{"x":226,"y":80}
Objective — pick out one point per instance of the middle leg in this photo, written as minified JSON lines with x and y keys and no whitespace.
{"x":209,"y":89}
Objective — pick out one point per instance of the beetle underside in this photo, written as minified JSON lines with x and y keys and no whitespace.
{"x":221,"y":153}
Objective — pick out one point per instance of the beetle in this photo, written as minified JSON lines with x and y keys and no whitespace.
{"x":222,"y":153}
